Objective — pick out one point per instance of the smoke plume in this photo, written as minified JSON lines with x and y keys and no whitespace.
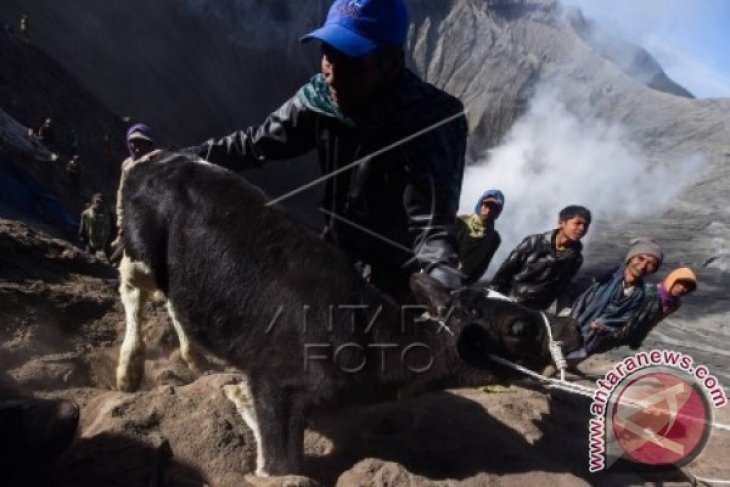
{"x":555,"y":156}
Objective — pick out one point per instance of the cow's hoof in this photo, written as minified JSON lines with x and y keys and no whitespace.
{"x":126,"y":383}
{"x":130,"y":374}
{"x":195,"y":362}
{"x":280,"y":481}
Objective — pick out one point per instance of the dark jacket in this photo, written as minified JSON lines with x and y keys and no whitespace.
{"x":408,"y":195}
{"x":477,"y":245}
{"x":647,"y":317}
{"x":625,"y":320}
{"x":535,"y":273}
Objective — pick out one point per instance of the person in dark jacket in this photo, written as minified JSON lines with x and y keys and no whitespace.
{"x":540,"y":268}
{"x":390,"y":145}
{"x":618,"y":302}
{"x":140,"y":142}
{"x":476,"y":236}
{"x":24,"y":27}
{"x":46,"y":134}
{"x":73,"y":173}
{"x":95,"y":227}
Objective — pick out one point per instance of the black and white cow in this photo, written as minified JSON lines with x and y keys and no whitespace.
{"x":290,"y":311}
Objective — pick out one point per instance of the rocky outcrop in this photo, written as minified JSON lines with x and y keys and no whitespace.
{"x":33,"y":87}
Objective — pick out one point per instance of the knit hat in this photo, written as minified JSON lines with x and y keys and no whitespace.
{"x":684,"y":274}
{"x":140,"y":131}
{"x":645,"y":246}
{"x":491,"y":195}
{"x":357,"y":27}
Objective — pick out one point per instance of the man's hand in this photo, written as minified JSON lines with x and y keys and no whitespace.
{"x":598,"y":328}
{"x":149,"y":155}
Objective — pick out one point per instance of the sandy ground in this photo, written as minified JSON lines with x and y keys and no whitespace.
{"x":59,"y":336}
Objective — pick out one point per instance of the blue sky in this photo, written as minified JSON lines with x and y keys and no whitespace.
{"x":689,"y":38}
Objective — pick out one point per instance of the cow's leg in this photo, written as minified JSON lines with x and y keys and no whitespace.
{"x":240,"y":396}
{"x":134,"y":289}
{"x":295,"y":437}
{"x":276,"y":424}
{"x":187,"y":350}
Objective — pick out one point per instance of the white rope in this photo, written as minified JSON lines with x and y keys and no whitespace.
{"x":553,"y":383}
{"x":378,"y":152}
{"x":571,"y":386}
{"x":555,"y":347}
{"x":709,"y":481}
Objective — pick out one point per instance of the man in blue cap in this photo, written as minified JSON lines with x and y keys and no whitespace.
{"x":140,"y":142}
{"x":391,"y":147}
{"x":477,"y":237}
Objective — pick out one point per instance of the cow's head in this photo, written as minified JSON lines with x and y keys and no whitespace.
{"x":484,"y":326}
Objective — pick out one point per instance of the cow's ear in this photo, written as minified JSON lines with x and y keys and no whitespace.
{"x":430,"y":293}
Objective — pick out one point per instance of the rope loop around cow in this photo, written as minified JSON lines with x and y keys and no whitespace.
{"x":558,"y":358}
{"x":555,"y":347}
{"x":557,"y":354}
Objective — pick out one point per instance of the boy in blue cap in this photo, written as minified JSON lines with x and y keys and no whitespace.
{"x":477,"y":238}
{"x":390,"y":145}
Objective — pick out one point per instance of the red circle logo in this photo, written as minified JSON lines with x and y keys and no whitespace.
{"x":661,"y":418}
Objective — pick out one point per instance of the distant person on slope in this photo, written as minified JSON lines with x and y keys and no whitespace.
{"x":73,"y":173}
{"x":540,"y":268}
{"x":47,"y":134}
{"x":95,"y":228}
{"x":24,"y":27}
{"x":394,"y":213}
{"x":476,"y":236}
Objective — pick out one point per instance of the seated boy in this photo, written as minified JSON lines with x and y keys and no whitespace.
{"x":540,"y":268}
{"x":619,"y":302}
{"x":476,"y":236}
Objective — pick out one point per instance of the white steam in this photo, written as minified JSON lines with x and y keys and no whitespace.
{"x":553,"y":157}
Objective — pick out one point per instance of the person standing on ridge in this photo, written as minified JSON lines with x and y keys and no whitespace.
{"x":140,"y":141}
{"x":24,"y":27}
{"x":95,"y":228}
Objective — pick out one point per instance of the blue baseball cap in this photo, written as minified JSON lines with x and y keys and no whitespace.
{"x":357,"y":27}
{"x":493,"y":195}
